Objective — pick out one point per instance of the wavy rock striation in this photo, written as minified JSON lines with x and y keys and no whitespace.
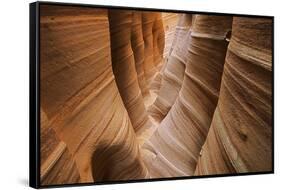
{"x":55,"y":157}
{"x":158,"y":50}
{"x":170,"y":21}
{"x":138,"y":49}
{"x":173,"y":72}
{"x":240,"y":137}
{"x":148,"y":19}
{"x":101,"y":69}
{"x":168,"y":152}
{"x":124,"y":68}
{"x":80,"y":97}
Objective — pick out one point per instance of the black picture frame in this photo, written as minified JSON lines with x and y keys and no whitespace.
{"x":34,"y":93}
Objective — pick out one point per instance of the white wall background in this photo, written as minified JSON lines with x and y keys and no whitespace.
{"x":14,"y":94}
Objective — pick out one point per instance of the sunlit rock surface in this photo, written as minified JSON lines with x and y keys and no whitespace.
{"x":173,"y":70}
{"x":175,"y":145}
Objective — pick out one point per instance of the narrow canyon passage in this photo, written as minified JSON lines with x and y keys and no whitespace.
{"x":139,"y":94}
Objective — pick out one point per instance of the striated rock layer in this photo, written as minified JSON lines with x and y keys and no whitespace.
{"x":158,"y":41}
{"x":55,"y":157}
{"x":138,"y":49}
{"x":173,"y":72}
{"x":148,"y":19}
{"x":101,"y":69}
{"x":124,"y":68}
{"x":80,"y":97}
{"x":175,"y":145}
{"x":240,"y":137}
{"x":170,"y":21}
{"x":158,"y":50}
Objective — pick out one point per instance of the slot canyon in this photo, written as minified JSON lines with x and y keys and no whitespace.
{"x":128,"y":95}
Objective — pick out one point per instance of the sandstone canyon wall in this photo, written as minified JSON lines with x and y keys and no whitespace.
{"x":243,"y":128}
{"x":80,"y":96}
{"x":170,"y":153}
{"x":173,"y":70}
{"x":139,"y":94}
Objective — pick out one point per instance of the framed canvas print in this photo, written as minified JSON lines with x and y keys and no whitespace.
{"x":122,"y":94}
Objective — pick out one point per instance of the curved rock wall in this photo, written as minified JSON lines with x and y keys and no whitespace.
{"x":80,"y":97}
{"x":158,"y":41}
{"x":148,"y":19}
{"x":101,"y":70}
{"x":158,"y":50}
{"x":242,"y":123}
{"x":138,"y":49}
{"x":55,"y":157}
{"x":168,"y":152}
{"x":124,"y":68}
{"x":170,"y":21}
{"x":173,"y":72}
